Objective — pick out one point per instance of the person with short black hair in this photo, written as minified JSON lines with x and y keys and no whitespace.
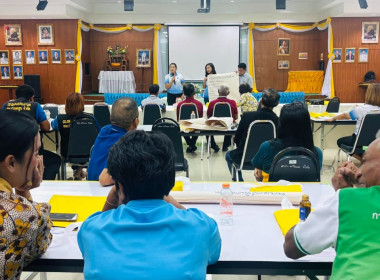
{"x":124,"y":118}
{"x":189,"y":92}
{"x":247,"y":101}
{"x":25,"y":224}
{"x":244,"y":76}
{"x":294,"y":130}
{"x":269,"y":100}
{"x":137,"y":216}
{"x":153,"y":98}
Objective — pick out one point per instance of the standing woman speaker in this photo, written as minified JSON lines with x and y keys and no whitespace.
{"x":209,"y":69}
{"x":173,"y":84}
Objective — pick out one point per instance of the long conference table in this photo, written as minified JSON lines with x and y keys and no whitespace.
{"x":253,"y":245}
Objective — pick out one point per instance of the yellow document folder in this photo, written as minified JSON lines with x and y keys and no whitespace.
{"x":287,"y":218}
{"x":277,"y":188}
{"x":84,"y":206}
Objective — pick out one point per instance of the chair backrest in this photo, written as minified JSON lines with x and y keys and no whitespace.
{"x":170,"y":128}
{"x":53,"y":109}
{"x":102,"y":114}
{"x":259,"y":131}
{"x":295,"y":164}
{"x":186,"y":110}
{"x":302,"y":101}
{"x":83,"y":133}
{"x":152,"y":112}
{"x":333,"y":106}
{"x":369,"y":126}
{"x":221,"y":110}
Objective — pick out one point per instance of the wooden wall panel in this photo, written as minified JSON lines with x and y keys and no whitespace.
{"x":99,"y":42}
{"x":347,"y":33}
{"x":57,"y":80}
{"x":266,"y":58}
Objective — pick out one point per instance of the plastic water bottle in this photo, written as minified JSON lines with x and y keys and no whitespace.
{"x":226,"y":205}
{"x":192,"y":116}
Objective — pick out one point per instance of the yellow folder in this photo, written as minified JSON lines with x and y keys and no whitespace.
{"x":277,"y":188}
{"x":84,"y":206}
{"x":287,"y":218}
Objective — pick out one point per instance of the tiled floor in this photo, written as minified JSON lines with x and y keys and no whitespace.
{"x":215,"y":169}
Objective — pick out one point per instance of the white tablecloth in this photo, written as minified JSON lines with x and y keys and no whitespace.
{"x":116,"y":82}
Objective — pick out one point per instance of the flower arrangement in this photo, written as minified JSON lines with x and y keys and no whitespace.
{"x":197,"y":88}
{"x":117,"y":51}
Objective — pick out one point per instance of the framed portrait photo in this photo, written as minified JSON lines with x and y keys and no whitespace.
{"x":143,"y":58}
{"x":30,"y":57}
{"x":18,"y":73}
{"x":13,"y":34}
{"x":5,"y":74}
{"x":69,"y":56}
{"x":283,"y":46}
{"x":17,"y":57}
{"x":350,"y":55}
{"x":283,"y":64}
{"x":370,"y":32}
{"x":42,"y":56}
{"x":56,"y":56}
{"x":338,"y":55}
{"x":363,"y":55}
{"x":4,"y":57}
{"x":45,"y":34}
{"x":303,"y":55}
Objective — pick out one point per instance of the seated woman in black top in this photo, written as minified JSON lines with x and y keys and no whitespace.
{"x":74,"y":108}
{"x":294,"y":130}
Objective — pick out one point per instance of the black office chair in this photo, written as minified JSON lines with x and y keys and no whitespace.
{"x":369,"y":126}
{"x":295,"y":164}
{"x":170,"y":128}
{"x":222,"y":110}
{"x":152,"y":112}
{"x":102,"y":114}
{"x":259,"y":131}
{"x":333,"y":106}
{"x":83,"y":133}
{"x":186,"y":110}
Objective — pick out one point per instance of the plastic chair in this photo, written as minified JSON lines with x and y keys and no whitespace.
{"x":83,"y":133}
{"x":102,"y":114}
{"x":333,"y":106}
{"x":259,"y":131}
{"x":369,"y":126}
{"x":295,"y":164}
{"x":170,"y":128}
{"x":186,"y":109}
{"x":152,"y":112}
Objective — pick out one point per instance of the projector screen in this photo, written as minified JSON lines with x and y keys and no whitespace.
{"x":192,"y":47}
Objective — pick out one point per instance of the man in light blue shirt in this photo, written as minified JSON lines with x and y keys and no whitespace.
{"x":153,"y":98}
{"x":244,"y":77}
{"x":142,"y":232}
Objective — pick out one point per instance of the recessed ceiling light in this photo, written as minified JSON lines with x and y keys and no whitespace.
{"x":118,"y":2}
{"x":174,"y":1}
{"x":232,"y":1}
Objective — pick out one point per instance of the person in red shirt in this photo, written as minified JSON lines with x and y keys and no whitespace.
{"x":223,"y":91}
{"x":188,"y":90}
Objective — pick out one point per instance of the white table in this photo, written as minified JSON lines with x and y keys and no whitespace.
{"x":253,"y":245}
{"x":116,"y":82}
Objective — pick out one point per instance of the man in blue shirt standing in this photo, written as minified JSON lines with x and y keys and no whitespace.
{"x":139,"y":235}
{"x":124,"y":117}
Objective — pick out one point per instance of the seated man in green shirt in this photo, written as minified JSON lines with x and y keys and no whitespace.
{"x":349,"y":221}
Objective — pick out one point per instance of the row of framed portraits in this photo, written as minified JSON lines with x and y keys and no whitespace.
{"x":13,"y":34}
{"x":350,"y":55}
{"x":41,"y":56}
{"x":17,"y":72}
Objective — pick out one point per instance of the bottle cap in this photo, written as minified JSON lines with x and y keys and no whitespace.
{"x":226,"y":186}
{"x":305,"y":197}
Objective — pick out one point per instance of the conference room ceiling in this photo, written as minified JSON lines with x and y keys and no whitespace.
{"x":185,"y":11}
